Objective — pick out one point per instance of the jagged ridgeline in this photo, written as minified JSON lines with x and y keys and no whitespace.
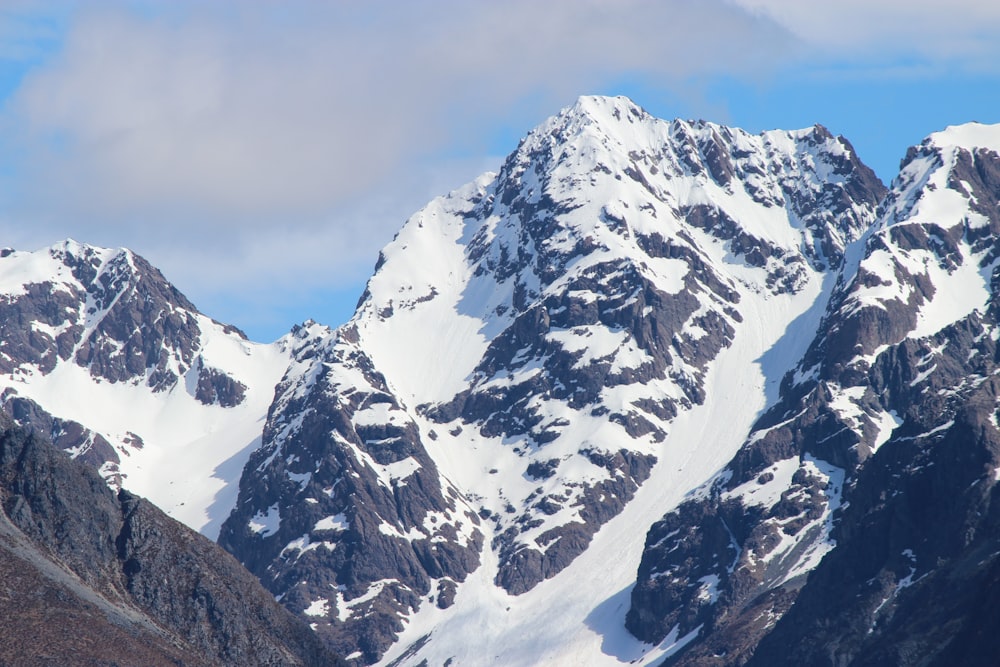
{"x":881,"y":454}
{"x":655,"y":391}
{"x":514,"y":369}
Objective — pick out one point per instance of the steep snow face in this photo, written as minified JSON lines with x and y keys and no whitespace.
{"x":519,"y":360}
{"x":904,"y":345}
{"x":580,"y":295}
{"x":103,"y":355}
{"x":928,"y":263}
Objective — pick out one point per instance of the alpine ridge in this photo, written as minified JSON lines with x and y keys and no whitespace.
{"x":655,"y":392}
{"x":94,"y":577}
{"x":558,"y":316}
{"x":174,"y":400}
{"x":874,"y":455}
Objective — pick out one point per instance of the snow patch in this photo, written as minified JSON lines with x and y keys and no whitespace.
{"x":318,"y":608}
{"x":267,"y":523}
{"x":335,"y":522}
{"x":766,"y":492}
{"x":345,"y":607}
{"x":887,"y":423}
{"x":709,"y":589}
{"x":958,"y":294}
{"x":672,"y":645}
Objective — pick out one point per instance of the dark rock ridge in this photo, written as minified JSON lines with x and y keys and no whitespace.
{"x":76,"y":439}
{"x":95,"y":577}
{"x":913,"y":575}
{"x":855,"y":526}
{"x":346,"y":519}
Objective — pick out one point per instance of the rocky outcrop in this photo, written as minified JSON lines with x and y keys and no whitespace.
{"x":342,"y":514}
{"x":97,"y":577}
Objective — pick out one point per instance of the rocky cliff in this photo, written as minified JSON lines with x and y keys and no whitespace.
{"x":97,"y":577}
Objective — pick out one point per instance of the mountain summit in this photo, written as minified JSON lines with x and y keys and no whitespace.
{"x":559,"y":317}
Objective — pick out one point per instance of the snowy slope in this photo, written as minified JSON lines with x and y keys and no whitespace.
{"x":123,"y":371}
{"x":894,"y":361}
{"x":578,"y":617}
{"x":927,"y":263}
{"x":536,"y":343}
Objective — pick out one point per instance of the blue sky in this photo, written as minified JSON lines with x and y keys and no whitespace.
{"x":261,"y":153}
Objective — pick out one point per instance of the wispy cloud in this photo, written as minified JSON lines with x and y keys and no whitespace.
{"x":282,"y":143}
{"x":960,"y":34}
{"x":217,"y":125}
{"x":262,"y":110}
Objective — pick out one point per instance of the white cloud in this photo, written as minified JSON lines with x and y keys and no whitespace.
{"x":958,"y":33}
{"x":283,"y":143}
{"x":247,"y":113}
{"x":262,"y":110}
{"x":252,"y":144}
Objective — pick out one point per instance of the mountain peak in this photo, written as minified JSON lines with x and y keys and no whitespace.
{"x":591,"y":122}
{"x":70,"y":249}
{"x":949,"y":175}
{"x":521,"y":352}
{"x":970,"y":135}
{"x":75,"y":247}
{"x":604,"y":108}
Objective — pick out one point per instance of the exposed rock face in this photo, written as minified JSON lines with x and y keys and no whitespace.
{"x":113,"y":364}
{"x":357,"y":526}
{"x":916,"y":559}
{"x":109,"y":311}
{"x":92,"y":577}
{"x":516,"y":361}
{"x":879,"y":456}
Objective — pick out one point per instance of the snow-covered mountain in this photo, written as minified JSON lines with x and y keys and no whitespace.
{"x":881,"y":453}
{"x":527,"y":358}
{"x":654,"y":392}
{"x":101,"y":354}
